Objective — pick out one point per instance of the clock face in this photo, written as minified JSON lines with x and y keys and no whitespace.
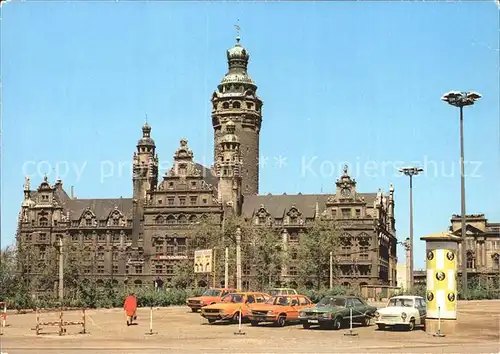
{"x":345,"y":192}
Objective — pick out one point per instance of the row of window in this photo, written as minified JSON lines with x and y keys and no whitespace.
{"x":102,"y":237}
{"x":171,"y":184}
{"x":44,"y":222}
{"x":235,"y":105}
{"x":171,"y":219}
{"x":347,"y":213}
{"x":182,"y":201}
{"x":101,"y":223}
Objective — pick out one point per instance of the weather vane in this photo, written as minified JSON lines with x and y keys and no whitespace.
{"x":237,"y":28}
{"x":146,"y":116}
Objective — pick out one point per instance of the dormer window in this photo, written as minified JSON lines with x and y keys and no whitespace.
{"x":88,"y":222}
{"x":116,"y":222}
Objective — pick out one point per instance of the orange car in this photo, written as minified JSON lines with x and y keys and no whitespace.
{"x":279,"y":309}
{"x":210,"y":296}
{"x":232,"y":306}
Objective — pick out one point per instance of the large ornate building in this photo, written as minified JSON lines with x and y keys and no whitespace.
{"x":482,"y":247}
{"x":482,"y":242}
{"x":139,"y":239}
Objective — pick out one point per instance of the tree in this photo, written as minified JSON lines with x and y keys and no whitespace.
{"x":8,"y":271}
{"x":319,"y":238}
{"x":262,"y":249}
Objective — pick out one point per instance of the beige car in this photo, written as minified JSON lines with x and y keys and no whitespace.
{"x":281,"y":291}
{"x":402,"y":311}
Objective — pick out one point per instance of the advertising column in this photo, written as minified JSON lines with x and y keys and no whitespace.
{"x":441,"y":295}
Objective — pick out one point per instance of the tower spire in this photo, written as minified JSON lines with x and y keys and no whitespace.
{"x":237,"y":27}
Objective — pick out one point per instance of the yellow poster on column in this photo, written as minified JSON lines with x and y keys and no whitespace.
{"x":441,"y":284}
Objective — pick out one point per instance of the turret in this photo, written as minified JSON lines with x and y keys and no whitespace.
{"x":236,"y":100}
{"x":229,"y":168}
{"x":145,"y":178}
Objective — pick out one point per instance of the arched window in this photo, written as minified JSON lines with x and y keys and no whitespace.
{"x":160,"y":219}
{"x":182,"y":219}
{"x":236,"y":104}
{"x":225,"y":105}
{"x":43,"y":221}
{"x":496,"y":260}
{"x":138,"y":283}
{"x":99,"y":283}
{"x":193,"y":219}
{"x":170,"y":219}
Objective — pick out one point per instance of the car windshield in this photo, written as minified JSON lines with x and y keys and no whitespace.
{"x":279,"y":300}
{"x":402,"y":302}
{"x":211,"y":292}
{"x":234,"y":298}
{"x":332,"y":301}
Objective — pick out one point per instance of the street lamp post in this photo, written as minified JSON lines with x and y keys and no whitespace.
{"x":410,"y":172}
{"x":460,"y":100}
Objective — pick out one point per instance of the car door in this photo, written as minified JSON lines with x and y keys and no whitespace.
{"x":294,"y":308}
{"x":260,"y":298}
{"x":358,"y":309}
{"x":422,"y":309}
{"x":248,"y":304}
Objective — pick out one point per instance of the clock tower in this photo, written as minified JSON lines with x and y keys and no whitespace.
{"x":346,"y":186}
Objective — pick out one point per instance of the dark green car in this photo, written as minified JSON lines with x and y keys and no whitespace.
{"x":334,"y":311}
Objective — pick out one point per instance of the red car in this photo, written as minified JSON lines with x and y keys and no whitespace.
{"x":209,"y":297}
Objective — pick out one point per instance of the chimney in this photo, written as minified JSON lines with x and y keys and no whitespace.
{"x":72,"y":192}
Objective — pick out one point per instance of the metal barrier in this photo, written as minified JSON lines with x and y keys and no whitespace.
{"x":60,"y":323}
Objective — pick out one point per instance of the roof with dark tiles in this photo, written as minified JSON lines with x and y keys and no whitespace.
{"x":278,"y":205}
{"x":103,"y":207}
{"x":100,"y":207}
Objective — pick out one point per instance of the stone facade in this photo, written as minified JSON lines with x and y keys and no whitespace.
{"x":483,"y":250}
{"x":138,"y":240}
{"x":483,"y":246}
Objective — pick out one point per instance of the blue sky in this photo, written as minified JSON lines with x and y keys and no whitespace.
{"x":341,"y":81}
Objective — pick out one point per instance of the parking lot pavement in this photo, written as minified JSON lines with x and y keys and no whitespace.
{"x":180,"y":331}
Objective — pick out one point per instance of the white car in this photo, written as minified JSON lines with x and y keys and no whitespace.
{"x":402,"y":311}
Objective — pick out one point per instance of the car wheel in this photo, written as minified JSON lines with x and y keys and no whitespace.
{"x":337,"y":323}
{"x":381,"y":326}
{"x":306,"y":325}
{"x":281,"y":321}
{"x":211,"y":320}
{"x":411,"y":325}
{"x":254,"y":323}
{"x":366,"y":321}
